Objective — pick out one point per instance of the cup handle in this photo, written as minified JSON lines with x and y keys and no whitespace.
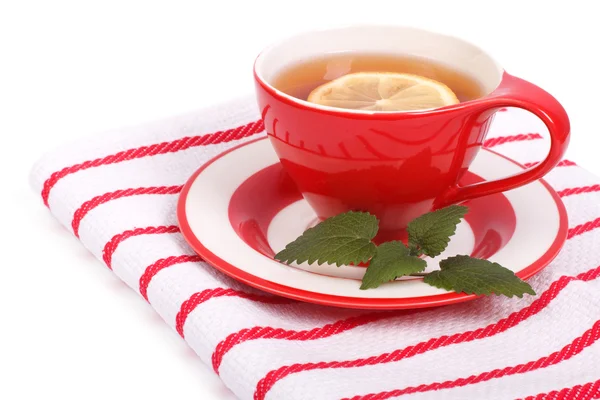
{"x":516,"y":92}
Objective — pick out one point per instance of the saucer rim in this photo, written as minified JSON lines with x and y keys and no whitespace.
{"x":346,"y":301}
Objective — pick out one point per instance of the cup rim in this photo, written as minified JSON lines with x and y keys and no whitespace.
{"x":343,"y":111}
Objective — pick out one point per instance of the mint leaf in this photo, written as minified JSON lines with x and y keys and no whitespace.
{"x":475,"y":276}
{"x":343,"y":239}
{"x":391,"y":261}
{"x":431,"y":232}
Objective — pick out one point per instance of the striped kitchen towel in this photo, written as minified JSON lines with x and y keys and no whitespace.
{"x":117,"y":193}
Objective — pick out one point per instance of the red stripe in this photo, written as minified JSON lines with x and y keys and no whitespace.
{"x":198,"y":298}
{"x":266,"y":332}
{"x":117,"y":194}
{"x":496,"y":141}
{"x":583,"y":228}
{"x":163,"y":263}
{"x":588,"y":338}
{"x":563,"y":163}
{"x":159,"y":148}
{"x":578,"y":190}
{"x":566,"y":163}
{"x":266,"y":383}
{"x":112,"y":245}
{"x":590,"y":390}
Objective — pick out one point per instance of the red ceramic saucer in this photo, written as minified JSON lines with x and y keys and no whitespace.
{"x":240,"y":208}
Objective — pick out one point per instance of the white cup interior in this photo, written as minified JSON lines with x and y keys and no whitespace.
{"x":450,"y":51}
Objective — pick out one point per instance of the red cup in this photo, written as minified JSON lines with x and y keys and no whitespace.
{"x":396,"y":165}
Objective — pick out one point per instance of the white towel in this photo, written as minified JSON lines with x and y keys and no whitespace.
{"x":117,"y":192}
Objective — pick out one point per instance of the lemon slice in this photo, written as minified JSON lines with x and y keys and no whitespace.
{"x":383,"y":91}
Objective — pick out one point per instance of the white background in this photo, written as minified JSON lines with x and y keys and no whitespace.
{"x":71,"y":329}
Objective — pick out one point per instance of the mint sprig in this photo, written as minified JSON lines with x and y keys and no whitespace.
{"x":348,"y":239}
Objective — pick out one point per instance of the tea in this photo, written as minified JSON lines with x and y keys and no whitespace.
{"x":300,"y":79}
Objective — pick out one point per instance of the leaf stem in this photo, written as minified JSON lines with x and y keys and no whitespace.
{"x":414,"y":251}
{"x":420,"y":274}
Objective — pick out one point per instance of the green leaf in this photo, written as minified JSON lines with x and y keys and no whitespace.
{"x":431,"y":232}
{"x":343,"y":239}
{"x":475,"y":276}
{"x":391,"y":261}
